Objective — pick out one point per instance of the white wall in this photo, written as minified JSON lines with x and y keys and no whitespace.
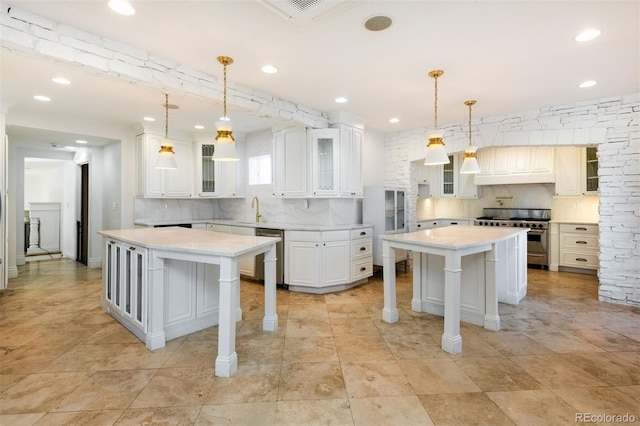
{"x":43,"y":184}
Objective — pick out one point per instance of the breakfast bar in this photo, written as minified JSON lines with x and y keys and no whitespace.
{"x":161,"y":283}
{"x":458,"y":267}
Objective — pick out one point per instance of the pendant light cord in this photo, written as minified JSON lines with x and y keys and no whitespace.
{"x":470,"y":124}
{"x":224,"y":98}
{"x":166,"y":116}
{"x":435,"y":108}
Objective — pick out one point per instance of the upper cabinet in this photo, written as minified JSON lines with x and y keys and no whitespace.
{"x":290,"y":162}
{"x":215,"y":178}
{"x":446,"y":181}
{"x":576,"y":171}
{"x":515,"y":165}
{"x":318,"y":162}
{"x":325,"y":150}
{"x":157,"y":183}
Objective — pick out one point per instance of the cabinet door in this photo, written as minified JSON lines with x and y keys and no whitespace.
{"x":590,"y":174}
{"x":448,"y":188}
{"x":466,"y":185}
{"x":567,"y":171}
{"x":324,"y":169}
{"x":207,"y":182}
{"x":541,"y":159}
{"x":400,"y":218}
{"x":501,"y":161}
{"x":179,"y":291}
{"x":304,"y":263}
{"x":113,"y":274}
{"x":520,"y":159}
{"x":336,"y":262}
{"x":290,"y":163}
{"x":134,"y":279}
{"x":179,"y":182}
{"x":350,"y":161}
{"x":149,"y":178}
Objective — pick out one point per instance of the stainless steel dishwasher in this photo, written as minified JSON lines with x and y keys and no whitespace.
{"x":279,"y":233}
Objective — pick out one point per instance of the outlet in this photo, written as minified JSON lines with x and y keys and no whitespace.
{"x":164,"y":207}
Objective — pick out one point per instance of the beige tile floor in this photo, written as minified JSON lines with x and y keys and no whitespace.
{"x":560,"y":353}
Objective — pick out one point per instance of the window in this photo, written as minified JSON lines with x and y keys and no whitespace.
{"x":260,"y":170}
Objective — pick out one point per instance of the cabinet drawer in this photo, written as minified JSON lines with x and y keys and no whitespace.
{"x":579,"y":229}
{"x":361,"y":233}
{"x":361,"y":269}
{"x":304,"y":236}
{"x":579,"y":243}
{"x":427,"y":224}
{"x":361,"y":248}
{"x":219,"y":228}
{"x":579,"y":260}
{"x":335,"y":235}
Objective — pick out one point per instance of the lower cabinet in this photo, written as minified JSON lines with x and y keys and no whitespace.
{"x":323,"y":261}
{"x":579,"y":246}
{"x":125,"y":289}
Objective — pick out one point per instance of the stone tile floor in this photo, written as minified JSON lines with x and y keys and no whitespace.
{"x":560,"y":355}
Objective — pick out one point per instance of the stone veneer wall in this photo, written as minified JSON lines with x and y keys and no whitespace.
{"x":613,"y":124}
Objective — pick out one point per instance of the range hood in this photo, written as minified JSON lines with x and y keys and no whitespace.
{"x":514,"y":179}
{"x":516,"y":165}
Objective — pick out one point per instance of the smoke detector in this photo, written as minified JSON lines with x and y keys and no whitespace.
{"x":302,"y":13}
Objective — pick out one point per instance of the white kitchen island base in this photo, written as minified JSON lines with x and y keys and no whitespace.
{"x":152,"y":284}
{"x":459,"y":273}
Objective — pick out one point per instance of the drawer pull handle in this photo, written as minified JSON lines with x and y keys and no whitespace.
{"x":132,"y":248}
{"x":581,"y":228}
{"x":581,"y":259}
{"x":363,"y":248}
{"x":454,"y":223}
{"x":363,"y":232}
{"x":581,"y":242}
{"x":112,"y":242}
{"x":363,"y":269}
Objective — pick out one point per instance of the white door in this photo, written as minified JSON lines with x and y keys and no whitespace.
{"x":3,"y":214}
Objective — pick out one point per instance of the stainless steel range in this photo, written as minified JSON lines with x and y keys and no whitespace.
{"x":535,"y":219}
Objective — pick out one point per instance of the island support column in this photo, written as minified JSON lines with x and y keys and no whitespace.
{"x":451,"y":339}
{"x":270,"y":320}
{"x":155,"y":336}
{"x":491,"y":317}
{"x":390,"y":310}
{"x":227,"y":360}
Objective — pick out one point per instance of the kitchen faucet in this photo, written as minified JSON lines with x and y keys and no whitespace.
{"x":257,"y":206}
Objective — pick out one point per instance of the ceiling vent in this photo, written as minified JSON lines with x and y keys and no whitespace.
{"x":306,"y":12}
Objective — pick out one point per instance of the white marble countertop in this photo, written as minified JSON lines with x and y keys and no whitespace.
{"x":456,"y":237}
{"x":577,"y":222}
{"x":269,"y":225}
{"x":429,"y":219}
{"x":190,"y":240}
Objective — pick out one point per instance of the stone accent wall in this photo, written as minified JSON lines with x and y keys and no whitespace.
{"x":31,"y":34}
{"x":613,"y":124}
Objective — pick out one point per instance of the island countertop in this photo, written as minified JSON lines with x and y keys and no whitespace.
{"x":248,"y":224}
{"x":456,"y":237}
{"x":186,"y":240}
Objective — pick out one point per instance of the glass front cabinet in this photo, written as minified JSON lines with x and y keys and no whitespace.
{"x":325,"y":151}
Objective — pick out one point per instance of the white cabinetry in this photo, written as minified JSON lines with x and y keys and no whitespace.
{"x":579,"y":246}
{"x":576,"y":171}
{"x":361,"y":254}
{"x":290,"y":162}
{"x":515,"y":165}
{"x":318,"y":259}
{"x":215,"y":178}
{"x":439,"y":223}
{"x":446,"y":181}
{"x":158,"y":183}
{"x":351,"y":139}
{"x":385,"y":209}
{"x":125,"y":277}
{"x":247,"y":263}
{"x":325,"y":150}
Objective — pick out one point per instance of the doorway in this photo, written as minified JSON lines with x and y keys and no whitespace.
{"x":82,"y":225}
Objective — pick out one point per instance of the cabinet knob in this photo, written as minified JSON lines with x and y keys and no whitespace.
{"x":112,"y":242}
{"x":363,"y":248}
{"x":419,"y":226}
{"x":132,"y":248}
{"x":363,"y":269}
{"x":363,"y":233}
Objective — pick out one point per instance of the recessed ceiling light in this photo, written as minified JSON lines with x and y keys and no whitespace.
{"x":123,"y":7}
{"x":42,"y":98}
{"x":394,"y":120}
{"x":340,"y":100}
{"x":149,"y":119}
{"x":81,"y":141}
{"x":587,"y":35}
{"x":378,"y":23}
{"x":61,"y":80}
{"x":269,"y":69}
{"x":199,"y":126}
{"x":588,"y":83}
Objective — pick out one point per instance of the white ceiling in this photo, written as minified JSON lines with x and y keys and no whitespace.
{"x":509,"y":55}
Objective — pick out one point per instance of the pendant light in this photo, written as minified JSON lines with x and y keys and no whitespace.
{"x":166,"y":156}
{"x":225,"y":147}
{"x":436,"y":153}
{"x":470,"y":162}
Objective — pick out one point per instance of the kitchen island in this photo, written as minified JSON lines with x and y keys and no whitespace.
{"x":161,"y":283}
{"x":457,"y":268}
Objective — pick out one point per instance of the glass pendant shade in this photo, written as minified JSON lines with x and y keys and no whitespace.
{"x":166,"y":156}
{"x":224,"y":147}
{"x":470,"y":163}
{"x":436,"y":154}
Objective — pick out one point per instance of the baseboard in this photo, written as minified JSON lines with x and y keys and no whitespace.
{"x":95,"y":262}
{"x":12,"y":272}
{"x":20,"y":259}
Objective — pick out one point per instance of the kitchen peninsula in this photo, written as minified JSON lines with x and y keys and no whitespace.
{"x":459,"y":272}
{"x":162,"y":283}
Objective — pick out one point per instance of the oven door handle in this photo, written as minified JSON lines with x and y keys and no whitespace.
{"x":537,"y":231}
